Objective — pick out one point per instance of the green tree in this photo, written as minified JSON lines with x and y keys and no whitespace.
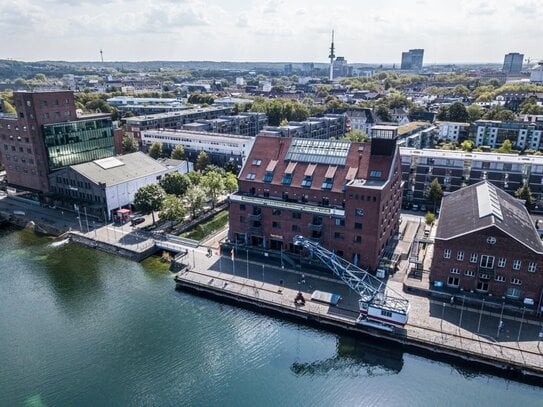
{"x":195,"y":177}
{"x":40,"y":77}
{"x":458,"y":113}
{"x":356,"y":135}
{"x":435,"y":192}
{"x":231,"y":166}
{"x":156,"y":150}
{"x":506,"y":147}
{"x":525,"y":193}
{"x":130,"y":144}
{"x":178,"y":153}
{"x":175,"y":183}
{"x":201,"y":161}
{"x":475,"y":112}
{"x":148,"y":199}
{"x":383,"y":113}
{"x":172,"y":209}
{"x":530,"y":106}
{"x":231,"y":183}
{"x":195,"y":198}
{"x":500,"y":113}
{"x":429,"y":218}
{"x":443,"y":113}
{"x":213,"y":184}
{"x":467,"y":145}
{"x":284,"y":122}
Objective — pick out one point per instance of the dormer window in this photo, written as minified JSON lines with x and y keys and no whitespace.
{"x":268,"y":176}
{"x":306,"y":182}
{"x":327,"y":184}
{"x":257,"y":162}
{"x":287,"y":179}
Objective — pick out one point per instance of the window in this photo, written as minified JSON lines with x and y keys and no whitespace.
{"x":487,"y":262}
{"x":516,"y":264}
{"x":455,"y":271}
{"x":268,"y":176}
{"x":358,"y":239}
{"x":473,"y":258}
{"x":295,"y":228}
{"x":482,"y":286}
{"x":460,"y":255}
{"x":358,"y":225}
{"x":469,"y":273}
{"x":296,"y":215}
{"x":453,"y":281}
{"x":339,"y":235}
{"x":386,"y":313}
{"x":276,"y":225}
{"x":257,"y":162}
{"x":501,"y":262}
{"x":340,"y":222}
{"x":532,"y":266}
{"x":516,"y":281}
{"x":287,"y":179}
{"x":276,"y":212}
{"x":500,"y":279}
{"x":251,"y":176}
{"x":513,"y":292}
{"x":241,"y":207}
{"x":327,"y":183}
{"x":359,"y":212}
{"x":375,"y":174}
{"x":491,"y":240}
{"x":306,"y":182}
{"x":447,"y":253}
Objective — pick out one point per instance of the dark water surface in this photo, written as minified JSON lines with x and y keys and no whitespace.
{"x":83,"y":328}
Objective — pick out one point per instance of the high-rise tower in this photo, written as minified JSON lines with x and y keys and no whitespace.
{"x":332,"y":56}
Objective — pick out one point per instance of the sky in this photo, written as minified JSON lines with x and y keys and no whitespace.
{"x":269,"y":30}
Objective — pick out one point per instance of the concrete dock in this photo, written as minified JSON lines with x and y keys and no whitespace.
{"x":421,"y":333}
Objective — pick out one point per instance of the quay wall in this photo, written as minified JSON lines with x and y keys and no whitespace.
{"x":113,"y":249}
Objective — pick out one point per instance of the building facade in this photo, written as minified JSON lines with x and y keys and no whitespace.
{"x":493,"y":133}
{"x":412,"y":60}
{"x":326,"y":127}
{"x":453,"y":131}
{"x":486,"y":242}
{"x":512,"y":63}
{"x":344,"y":195}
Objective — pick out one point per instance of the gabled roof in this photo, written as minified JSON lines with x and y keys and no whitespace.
{"x":482,"y":205}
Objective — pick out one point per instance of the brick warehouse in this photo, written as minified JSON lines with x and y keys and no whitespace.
{"x":342,"y":194}
{"x":486,"y":242}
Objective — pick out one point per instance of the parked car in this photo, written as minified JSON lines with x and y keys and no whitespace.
{"x":423,"y":208}
{"x":137,"y":220}
{"x":415,"y":207}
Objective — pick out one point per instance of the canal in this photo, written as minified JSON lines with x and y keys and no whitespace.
{"x":79,"y":327}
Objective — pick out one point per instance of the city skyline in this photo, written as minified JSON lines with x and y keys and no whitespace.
{"x":272,"y":30}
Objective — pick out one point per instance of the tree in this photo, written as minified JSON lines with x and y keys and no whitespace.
{"x":175,"y":183}
{"x":202,"y":161}
{"x":442,"y":113}
{"x":178,"y":153}
{"x":172,"y":209}
{"x":475,"y":112}
{"x":40,"y":77}
{"x":231,"y":183}
{"x":458,"y":113}
{"x":356,"y":135}
{"x":506,"y":147}
{"x":500,"y":113}
{"x":130,"y":144}
{"x":156,"y":150}
{"x":8,"y":108}
{"x":525,"y":193}
{"x":195,"y":177}
{"x":284,"y":122}
{"x":429,"y":218}
{"x":195,"y":198}
{"x":383,"y":113}
{"x":435,"y":192}
{"x":231,"y":166}
{"x":213,"y":184}
{"x":467,"y":145}
{"x":148,"y":199}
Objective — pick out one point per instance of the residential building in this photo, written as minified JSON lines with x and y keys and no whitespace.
{"x":455,"y":169}
{"x":220,"y":148}
{"x":453,"y":131}
{"x":243,"y":124}
{"x":361,"y":119}
{"x":512,"y":63}
{"x":493,"y":133}
{"x":412,"y":60}
{"x":342,"y":194}
{"x":486,"y":242}
{"x":102,"y":186}
{"x":45,"y":134}
{"x":328,"y":126}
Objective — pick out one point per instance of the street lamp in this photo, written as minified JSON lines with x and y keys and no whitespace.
{"x":442,"y":315}
{"x":480,"y":315}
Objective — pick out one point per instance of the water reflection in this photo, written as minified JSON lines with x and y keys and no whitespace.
{"x":354,"y":357}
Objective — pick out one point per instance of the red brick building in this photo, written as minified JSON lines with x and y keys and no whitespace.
{"x":486,"y":242}
{"x":342,"y":194}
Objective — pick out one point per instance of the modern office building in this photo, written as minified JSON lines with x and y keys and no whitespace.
{"x":412,"y":60}
{"x":512,"y":63}
{"x":45,"y":133}
{"x":486,"y":242}
{"x":342,"y":194}
{"x":455,"y":169}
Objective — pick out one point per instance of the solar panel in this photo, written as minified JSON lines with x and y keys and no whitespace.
{"x":319,"y":151}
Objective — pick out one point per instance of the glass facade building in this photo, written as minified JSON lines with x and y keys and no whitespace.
{"x":71,"y":143}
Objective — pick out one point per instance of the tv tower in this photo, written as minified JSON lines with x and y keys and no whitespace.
{"x":332,"y":56}
{"x":102,"y":55}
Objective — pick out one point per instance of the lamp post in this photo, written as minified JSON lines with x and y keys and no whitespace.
{"x":442,"y":316}
{"x":500,"y":324}
{"x":480,"y":316}
{"x":462,"y":311}
{"x":521,"y":321}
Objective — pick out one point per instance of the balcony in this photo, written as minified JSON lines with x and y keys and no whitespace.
{"x":255,"y":229}
{"x":317,"y":227}
{"x":254,"y":217}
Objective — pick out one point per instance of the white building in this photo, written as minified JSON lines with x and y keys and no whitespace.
{"x":536,"y":75}
{"x":452,"y":131}
{"x":522,"y":135}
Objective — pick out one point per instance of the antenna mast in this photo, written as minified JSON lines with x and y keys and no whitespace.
{"x":332,"y":56}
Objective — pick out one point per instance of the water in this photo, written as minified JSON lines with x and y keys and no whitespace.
{"x":82,"y":328}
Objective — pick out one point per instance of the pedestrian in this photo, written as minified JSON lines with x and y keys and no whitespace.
{"x":303,"y":279}
{"x":452,"y":300}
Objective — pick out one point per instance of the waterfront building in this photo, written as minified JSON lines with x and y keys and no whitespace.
{"x":412,"y":60}
{"x":102,"y":186}
{"x":486,"y":242}
{"x":512,"y":63}
{"x":220,"y":148}
{"x":455,"y":169}
{"x":342,"y":194}
{"x":46,"y":133}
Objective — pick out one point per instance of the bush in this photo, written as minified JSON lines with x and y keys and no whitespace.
{"x":429,"y":218}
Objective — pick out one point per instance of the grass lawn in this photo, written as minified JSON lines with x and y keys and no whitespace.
{"x":205,"y":229}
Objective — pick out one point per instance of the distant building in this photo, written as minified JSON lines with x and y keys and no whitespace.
{"x":536,"y":75}
{"x":486,"y":242}
{"x":344,"y":195}
{"x":361,"y":119}
{"x":412,"y":60}
{"x":512,"y":63}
